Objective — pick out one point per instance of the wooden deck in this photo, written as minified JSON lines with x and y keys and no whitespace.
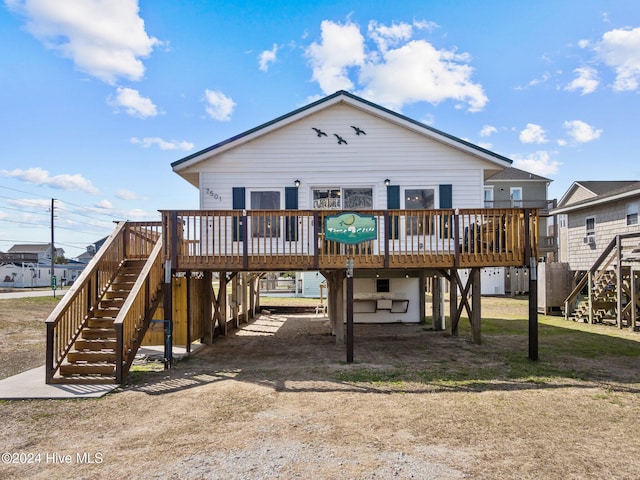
{"x":261,"y":240}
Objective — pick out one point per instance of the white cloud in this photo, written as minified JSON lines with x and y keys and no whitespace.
{"x":580,"y":131}
{"x":104,"y":38}
{"x":586,"y":81}
{"x":488,"y":130}
{"x":385,"y":36}
{"x":147,"y":142}
{"x":533,"y":134}
{"x":134,"y":104}
{"x":219,"y":106}
{"x":38,"y":176}
{"x":127,"y":195}
{"x":267,"y":57}
{"x":104,"y":205}
{"x":539,"y":163}
{"x":620,"y":50}
{"x":341,"y":47}
{"x":395,"y":70}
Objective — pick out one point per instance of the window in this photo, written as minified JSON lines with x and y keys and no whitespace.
{"x":327,"y":199}
{"x":632,"y":214}
{"x":419,"y":199}
{"x":382,"y":285}
{"x":265,"y":225}
{"x":335,"y":198}
{"x":358,"y":198}
{"x":516,"y":197}
{"x":488,"y":197}
{"x":590,"y":226}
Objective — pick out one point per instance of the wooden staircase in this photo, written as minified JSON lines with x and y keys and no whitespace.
{"x":93,"y":356}
{"x":95,"y":330}
{"x":603,"y":300}
{"x":613,"y":286}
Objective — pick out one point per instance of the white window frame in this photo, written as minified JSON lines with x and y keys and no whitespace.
{"x":632,"y":213}
{"x":257,"y":228}
{"x":518,"y":202}
{"x":590,"y":232}
{"x":488,"y":196}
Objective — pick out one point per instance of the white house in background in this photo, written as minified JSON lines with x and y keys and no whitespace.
{"x":29,"y":266}
{"x":42,"y":250}
{"x":346,"y":153}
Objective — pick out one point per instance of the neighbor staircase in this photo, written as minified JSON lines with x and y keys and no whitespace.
{"x":612,"y":293}
{"x":94,"y":332}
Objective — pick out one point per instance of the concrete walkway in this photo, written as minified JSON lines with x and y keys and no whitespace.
{"x":30,"y":385}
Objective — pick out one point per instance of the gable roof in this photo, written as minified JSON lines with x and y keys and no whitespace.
{"x":30,"y":248}
{"x":599,"y":192}
{"x":515,"y":174}
{"x":340,"y":96}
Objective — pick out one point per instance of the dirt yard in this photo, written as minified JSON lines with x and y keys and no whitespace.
{"x":277,"y":400}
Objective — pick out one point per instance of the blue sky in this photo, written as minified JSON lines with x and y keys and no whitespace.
{"x":100,"y":96}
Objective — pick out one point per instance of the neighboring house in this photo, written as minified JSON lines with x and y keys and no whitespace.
{"x":515,"y":188}
{"x":85,"y":257}
{"x":42,"y":250}
{"x":599,"y":238}
{"x":591,"y":214}
{"x":29,"y":265}
{"x":345,"y":153}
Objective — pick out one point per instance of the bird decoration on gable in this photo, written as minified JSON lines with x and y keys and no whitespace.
{"x":340,"y":139}
{"x":358,"y":131}
{"x":319,"y":132}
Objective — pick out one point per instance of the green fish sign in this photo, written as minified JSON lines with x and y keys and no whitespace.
{"x":350,"y":228}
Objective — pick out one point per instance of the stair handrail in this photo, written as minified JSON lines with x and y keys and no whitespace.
{"x":65,"y":322}
{"x":135,"y":314}
{"x":595,"y":267}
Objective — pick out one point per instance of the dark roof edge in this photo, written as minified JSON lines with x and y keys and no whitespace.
{"x":331,"y":97}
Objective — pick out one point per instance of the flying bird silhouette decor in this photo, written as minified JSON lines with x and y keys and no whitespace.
{"x":358,"y":131}
{"x":319,"y":132}
{"x":340,"y":139}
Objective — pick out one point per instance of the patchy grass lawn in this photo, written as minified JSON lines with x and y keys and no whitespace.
{"x":277,"y":400}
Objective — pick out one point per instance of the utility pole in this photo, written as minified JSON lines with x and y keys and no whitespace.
{"x":53,"y":254}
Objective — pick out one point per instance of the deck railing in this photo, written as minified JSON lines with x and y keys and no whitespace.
{"x":65,"y":322}
{"x":236,"y":240}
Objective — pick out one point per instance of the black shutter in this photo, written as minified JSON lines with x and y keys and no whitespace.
{"x":446,"y":201}
{"x":291,"y":222}
{"x":239,"y":203}
{"x":393,"y":203}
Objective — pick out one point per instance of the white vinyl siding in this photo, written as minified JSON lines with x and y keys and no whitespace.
{"x":386,"y":151}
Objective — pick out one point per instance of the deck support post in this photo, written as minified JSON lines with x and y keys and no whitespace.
{"x":335,"y":291}
{"x":349,"y":272}
{"x":635,"y":298}
{"x":531,"y":261}
{"x":222,"y":303}
{"x":252,"y":298}
{"x":437,"y":303}
{"x":235,"y":299}
{"x":209,"y":320}
{"x":168,"y":314}
{"x":619,"y":280}
{"x":453,"y":302}
{"x":189,"y":310}
{"x":475,"y":317}
{"x":533,"y":310}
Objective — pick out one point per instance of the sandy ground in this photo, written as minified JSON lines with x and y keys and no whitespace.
{"x":277,"y":400}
